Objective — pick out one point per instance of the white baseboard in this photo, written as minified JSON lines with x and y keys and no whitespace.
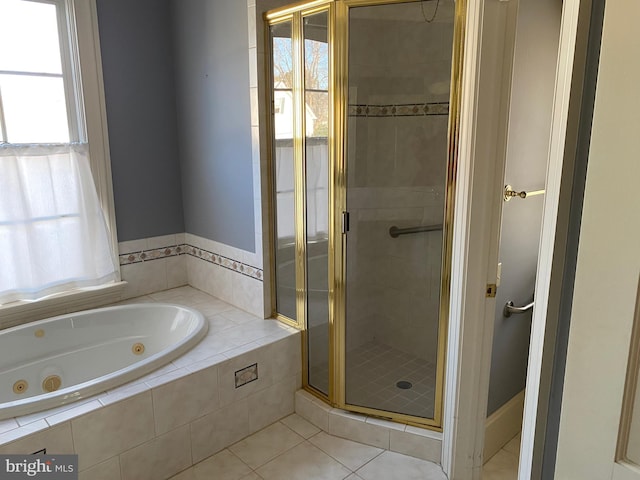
{"x":502,"y":425}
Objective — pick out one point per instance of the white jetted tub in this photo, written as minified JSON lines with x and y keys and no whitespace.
{"x":60,"y":360}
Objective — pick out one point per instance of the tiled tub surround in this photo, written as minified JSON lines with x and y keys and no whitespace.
{"x":158,"y":425}
{"x":89,"y":352}
{"x":158,"y":263}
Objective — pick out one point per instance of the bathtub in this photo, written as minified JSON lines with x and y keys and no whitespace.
{"x":59,"y":360}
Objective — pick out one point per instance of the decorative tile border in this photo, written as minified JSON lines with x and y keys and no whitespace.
{"x":406,"y":110}
{"x":186,"y":249}
{"x":224,"y":262}
{"x":154,"y":254}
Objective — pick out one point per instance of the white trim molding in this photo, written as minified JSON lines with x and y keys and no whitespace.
{"x":490,"y":37}
{"x":564,"y":77}
{"x":502,"y":425}
{"x":84,"y":14}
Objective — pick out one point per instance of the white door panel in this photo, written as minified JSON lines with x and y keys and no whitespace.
{"x":608,"y":266}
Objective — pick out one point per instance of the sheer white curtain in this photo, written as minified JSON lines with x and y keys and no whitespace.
{"x":53,"y":235}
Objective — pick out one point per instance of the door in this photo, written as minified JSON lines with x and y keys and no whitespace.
{"x":599,"y":423}
{"x":537,"y":34}
{"x":398,"y":165}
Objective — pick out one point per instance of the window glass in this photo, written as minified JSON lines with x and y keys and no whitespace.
{"x":29,"y":40}
{"x":284,"y":174}
{"x":316,"y":85}
{"x":34,"y":89}
{"x":54,"y":235}
{"x":35,"y":109}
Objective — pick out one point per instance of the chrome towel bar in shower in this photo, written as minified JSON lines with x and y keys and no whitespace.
{"x":509,"y":309}
{"x":396,"y":232}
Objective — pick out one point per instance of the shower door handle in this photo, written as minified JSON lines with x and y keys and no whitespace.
{"x":345,"y":222}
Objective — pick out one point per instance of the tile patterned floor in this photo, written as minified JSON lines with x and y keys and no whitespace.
{"x":294,"y":449}
{"x":504,"y":464}
{"x":374,"y":369}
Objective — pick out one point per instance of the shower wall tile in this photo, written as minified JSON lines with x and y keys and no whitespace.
{"x":161,"y":242}
{"x":144,"y":278}
{"x":176,"y":272}
{"x":251,"y":17}
{"x":248,"y":292}
{"x":132,"y":246}
{"x":392,"y":278}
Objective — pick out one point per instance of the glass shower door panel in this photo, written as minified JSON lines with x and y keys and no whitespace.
{"x":316,"y":86}
{"x":283,"y":169}
{"x":399,"y":76}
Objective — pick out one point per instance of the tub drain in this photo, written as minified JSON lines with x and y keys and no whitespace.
{"x":404,"y":385}
{"x":51,"y":383}
{"x":137,"y":349}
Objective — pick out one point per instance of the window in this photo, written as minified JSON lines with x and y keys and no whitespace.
{"x":32,"y":77}
{"x":56,"y":208}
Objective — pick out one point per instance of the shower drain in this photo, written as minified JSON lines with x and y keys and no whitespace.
{"x":404,"y":385}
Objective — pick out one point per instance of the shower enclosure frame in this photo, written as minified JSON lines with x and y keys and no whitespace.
{"x":338,"y":61}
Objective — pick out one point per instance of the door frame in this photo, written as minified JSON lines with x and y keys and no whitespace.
{"x":487,"y":70}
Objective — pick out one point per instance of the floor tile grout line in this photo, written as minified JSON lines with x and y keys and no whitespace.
{"x":232,"y":453}
{"x":362,"y":466}
{"x":331,"y":456}
{"x":281,"y":453}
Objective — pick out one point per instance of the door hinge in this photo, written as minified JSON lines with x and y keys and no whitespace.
{"x":491,"y":290}
{"x":345,"y":222}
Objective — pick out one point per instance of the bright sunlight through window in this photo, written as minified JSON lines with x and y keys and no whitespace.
{"x":33,"y":104}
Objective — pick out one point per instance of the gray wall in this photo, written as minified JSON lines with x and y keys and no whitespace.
{"x":537,"y":37}
{"x":138,"y":71}
{"x":214,"y":122}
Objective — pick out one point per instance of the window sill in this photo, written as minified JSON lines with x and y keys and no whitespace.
{"x":18,"y":313}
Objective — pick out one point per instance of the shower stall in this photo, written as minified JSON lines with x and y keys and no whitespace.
{"x":364,"y":109}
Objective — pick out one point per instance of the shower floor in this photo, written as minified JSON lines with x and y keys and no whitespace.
{"x":373,"y":371}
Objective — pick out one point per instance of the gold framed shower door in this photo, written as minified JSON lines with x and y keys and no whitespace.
{"x":338,"y":35}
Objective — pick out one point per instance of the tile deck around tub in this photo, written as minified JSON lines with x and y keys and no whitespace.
{"x":293,"y":449}
{"x":232,"y":332}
